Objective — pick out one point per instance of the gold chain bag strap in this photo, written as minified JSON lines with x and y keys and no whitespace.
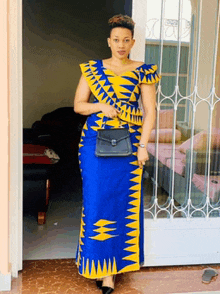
{"x":113,"y":142}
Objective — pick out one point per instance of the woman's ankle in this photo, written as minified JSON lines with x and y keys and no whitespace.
{"x":108,"y":281}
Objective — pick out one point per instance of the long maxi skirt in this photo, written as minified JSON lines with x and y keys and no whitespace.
{"x":111,"y":233}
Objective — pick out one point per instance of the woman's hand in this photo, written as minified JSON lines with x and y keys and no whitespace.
{"x":109,"y":110}
{"x":142,"y":156}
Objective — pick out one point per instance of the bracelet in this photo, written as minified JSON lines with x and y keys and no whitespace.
{"x":141,"y":145}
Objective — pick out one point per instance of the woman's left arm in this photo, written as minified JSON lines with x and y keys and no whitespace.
{"x":148,"y":95}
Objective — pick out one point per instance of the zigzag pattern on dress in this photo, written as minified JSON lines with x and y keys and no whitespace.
{"x":122,"y":91}
{"x":105,"y":92}
{"x":133,"y":215}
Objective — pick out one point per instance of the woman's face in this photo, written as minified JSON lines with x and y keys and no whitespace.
{"x":120,"y":42}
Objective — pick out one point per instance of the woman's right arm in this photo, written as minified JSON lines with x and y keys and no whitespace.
{"x":81,"y":100}
{"x":84,"y":107}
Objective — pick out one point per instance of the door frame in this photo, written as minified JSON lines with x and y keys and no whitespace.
{"x":16,"y":136}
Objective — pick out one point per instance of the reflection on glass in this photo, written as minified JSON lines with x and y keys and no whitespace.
{"x":182,"y":177}
{"x":186,"y":182}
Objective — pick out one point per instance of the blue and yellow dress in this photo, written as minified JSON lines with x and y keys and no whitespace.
{"x":111,"y":232}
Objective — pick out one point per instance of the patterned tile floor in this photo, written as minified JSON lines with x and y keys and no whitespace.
{"x":60,"y":276}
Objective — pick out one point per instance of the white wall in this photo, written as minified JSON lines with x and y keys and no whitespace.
{"x":56,"y":39}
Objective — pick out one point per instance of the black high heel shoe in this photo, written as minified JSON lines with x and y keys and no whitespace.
{"x":108,"y":290}
{"x":99,"y":284}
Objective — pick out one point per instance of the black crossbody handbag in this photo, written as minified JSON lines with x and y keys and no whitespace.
{"x":113,"y":142}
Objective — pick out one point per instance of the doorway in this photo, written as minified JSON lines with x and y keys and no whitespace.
{"x":52,"y":51}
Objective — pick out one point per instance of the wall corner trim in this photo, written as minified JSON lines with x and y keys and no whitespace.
{"x":5,"y":282}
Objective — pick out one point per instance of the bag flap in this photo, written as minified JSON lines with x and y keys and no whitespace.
{"x":113,"y":134}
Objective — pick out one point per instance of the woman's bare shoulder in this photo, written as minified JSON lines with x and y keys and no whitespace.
{"x":138,"y":63}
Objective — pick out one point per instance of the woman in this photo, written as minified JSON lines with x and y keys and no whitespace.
{"x":111,"y":233}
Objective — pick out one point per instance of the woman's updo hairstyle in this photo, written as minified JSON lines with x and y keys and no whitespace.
{"x":123,"y":21}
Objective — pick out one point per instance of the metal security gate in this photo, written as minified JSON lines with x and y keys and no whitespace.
{"x":182,"y":177}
